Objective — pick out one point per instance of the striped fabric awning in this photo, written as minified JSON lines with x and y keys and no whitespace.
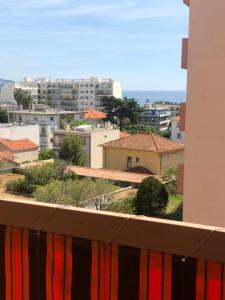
{"x":54,"y":267}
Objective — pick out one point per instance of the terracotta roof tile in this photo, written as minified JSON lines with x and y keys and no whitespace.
{"x":18,"y":145}
{"x":94,"y":114}
{"x":109,"y":174}
{"x":124,"y":134}
{"x":8,"y":155}
{"x":144,"y":142}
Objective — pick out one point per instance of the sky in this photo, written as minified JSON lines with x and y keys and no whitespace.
{"x":137,"y":42}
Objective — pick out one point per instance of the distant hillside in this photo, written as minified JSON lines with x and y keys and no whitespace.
{"x":4,"y":82}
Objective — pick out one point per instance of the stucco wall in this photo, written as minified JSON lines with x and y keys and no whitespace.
{"x":116,"y":159}
{"x":204,"y":175}
{"x":25,"y":156}
{"x":171,"y":160}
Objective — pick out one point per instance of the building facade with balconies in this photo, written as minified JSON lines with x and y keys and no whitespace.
{"x":156,"y":117}
{"x":77,"y":95}
{"x":47,"y":119}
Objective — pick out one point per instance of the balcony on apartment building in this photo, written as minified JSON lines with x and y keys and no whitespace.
{"x":60,"y":252}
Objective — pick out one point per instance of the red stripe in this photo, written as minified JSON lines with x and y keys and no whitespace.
{"x":200,"y":280}
{"x":114,"y":271}
{"x":167,"y":278}
{"x":104,"y":274}
{"x":143,"y":275}
{"x":58,"y":273}
{"x":25,"y":266}
{"x":49,"y":266}
{"x":68,"y":278}
{"x":17,"y":276}
{"x":155,"y":276}
{"x":214,"y":271}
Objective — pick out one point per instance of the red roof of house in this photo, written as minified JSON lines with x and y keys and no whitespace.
{"x":145,"y":142}
{"x":123,"y":134}
{"x":18,"y":145}
{"x":8,"y":155}
{"x":94,"y":114}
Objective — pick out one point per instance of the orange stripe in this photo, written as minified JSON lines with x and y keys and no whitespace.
{"x":155,"y":275}
{"x":25,"y":266}
{"x":49,"y":266}
{"x":104,"y":273}
{"x":17,"y":288}
{"x":143,"y":275}
{"x":94,"y":271}
{"x":200,"y":280}
{"x":8,"y":274}
{"x":167,"y":277}
{"x":68,"y":275}
{"x":114,"y":272}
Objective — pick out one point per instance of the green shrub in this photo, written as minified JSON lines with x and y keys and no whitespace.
{"x":46,"y":154}
{"x":20,"y":186}
{"x":152,"y":198}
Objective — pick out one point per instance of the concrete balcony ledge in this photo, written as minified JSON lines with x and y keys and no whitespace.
{"x":136,"y":231}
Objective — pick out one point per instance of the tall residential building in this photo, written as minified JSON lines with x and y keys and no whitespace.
{"x":156,"y":117}
{"x":204,"y":168}
{"x":48,"y":120}
{"x":77,"y":95}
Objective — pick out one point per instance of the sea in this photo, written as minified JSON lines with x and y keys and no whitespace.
{"x":152,"y":96}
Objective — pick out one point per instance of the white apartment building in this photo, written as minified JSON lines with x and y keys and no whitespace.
{"x":77,"y":95}
{"x":156,"y":117}
{"x":47,"y":119}
{"x":15,"y":131}
{"x":176,"y":134}
{"x":173,"y":107}
{"x":7,"y":91}
{"x":92,"y":138}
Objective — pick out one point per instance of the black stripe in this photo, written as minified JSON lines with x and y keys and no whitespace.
{"x":2,"y":262}
{"x":81,"y":272}
{"x":37,"y":265}
{"x":183,"y":278}
{"x":128,"y":281}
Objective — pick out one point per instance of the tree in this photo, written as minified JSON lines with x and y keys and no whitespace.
{"x":121,"y":111}
{"x":3,"y":116}
{"x":23,"y":98}
{"x":46,"y":154}
{"x":152,"y":198}
{"x":71,"y":150}
{"x":170,"y":177}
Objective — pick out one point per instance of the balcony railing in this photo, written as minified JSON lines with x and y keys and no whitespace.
{"x":59,"y":252}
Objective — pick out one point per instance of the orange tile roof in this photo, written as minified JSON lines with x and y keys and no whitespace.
{"x":8,"y":155}
{"x":123,"y":134}
{"x":109,"y":174}
{"x":145,"y":142}
{"x":18,"y":145}
{"x":94,"y":114}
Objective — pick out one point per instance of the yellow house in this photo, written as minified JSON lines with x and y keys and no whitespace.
{"x":142,"y":153}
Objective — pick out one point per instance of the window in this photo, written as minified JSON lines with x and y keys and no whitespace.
{"x":20,"y":118}
{"x":52,"y":129}
{"x":51,"y":118}
{"x":137,"y":159}
{"x":129,"y":162}
{"x":178,"y":124}
{"x":179,"y":135}
{"x":35,"y":118}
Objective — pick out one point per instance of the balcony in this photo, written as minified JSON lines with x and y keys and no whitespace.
{"x":58,"y":252}
{"x":187,"y":2}
{"x":184,"y":61}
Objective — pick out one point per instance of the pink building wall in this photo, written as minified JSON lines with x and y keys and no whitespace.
{"x":204,"y":177}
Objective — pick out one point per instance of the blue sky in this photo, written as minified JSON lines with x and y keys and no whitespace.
{"x":135,"y":41}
